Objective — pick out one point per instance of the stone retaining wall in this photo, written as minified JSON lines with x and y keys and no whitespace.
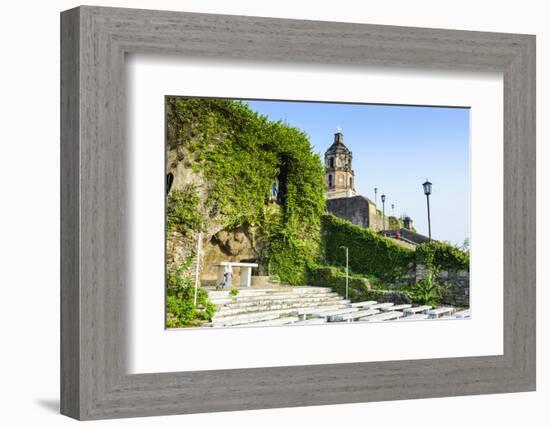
{"x":458,"y":293}
{"x":456,"y":282}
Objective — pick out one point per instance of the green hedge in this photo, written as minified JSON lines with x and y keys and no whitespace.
{"x":369,"y":253}
{"x":331,"y":277}
{"x":442,"y":256}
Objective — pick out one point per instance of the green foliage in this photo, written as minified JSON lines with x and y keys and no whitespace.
{"x":369,"y":253}
{"x":182,"y":213}
{"x":442,"y":256}
{"x":240,"y":153}
{"x":427,"y":291}
{"x":180,"y":293}
{"x":274,"y":280}
{"x":394,"y":223}
{"x":436,"y":256}
{"x":334,"y":278}
{"x":292,"y":256}
{"x":233,"y":292}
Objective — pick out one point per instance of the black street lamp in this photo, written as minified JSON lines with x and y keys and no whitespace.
{"x":427,"y":191}
{"x":392,"y":209}
{"x":383,"y":197}
{"x":375,"y":194}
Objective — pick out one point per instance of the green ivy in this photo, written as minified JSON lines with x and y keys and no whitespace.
{"x":442,"y":256}
{"x":182,"y":211}
{"x":334,"y":278}
{"x":395,"y":223}
{"x":180,"y":293}
{"x":369,"y":253}
{"x":240,"y":153}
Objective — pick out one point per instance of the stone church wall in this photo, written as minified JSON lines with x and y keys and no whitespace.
{"x":353,"y":209}
{"x":358,"y":210}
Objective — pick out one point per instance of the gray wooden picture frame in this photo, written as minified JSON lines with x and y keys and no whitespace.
{"x":94,"y":41}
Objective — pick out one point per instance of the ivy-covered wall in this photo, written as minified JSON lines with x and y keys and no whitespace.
{"x":443,"y":256}
{"x":369,"y":253}
{"x":372,"y":254}
{"x":332,"y":277}
{"x":239,"y":154}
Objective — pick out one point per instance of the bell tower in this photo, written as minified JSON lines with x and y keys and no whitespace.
{"x":339,"y":175}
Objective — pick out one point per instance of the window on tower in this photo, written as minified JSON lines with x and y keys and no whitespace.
{"x":330,"y":181}
{"x":331,"y":162}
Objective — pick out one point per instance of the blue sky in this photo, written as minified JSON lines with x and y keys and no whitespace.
{"x":395,"y":148}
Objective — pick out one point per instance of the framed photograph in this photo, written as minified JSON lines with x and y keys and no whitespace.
{"x":262,"y":213}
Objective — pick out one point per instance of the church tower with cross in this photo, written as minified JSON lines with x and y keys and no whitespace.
{"x":339,"y":175}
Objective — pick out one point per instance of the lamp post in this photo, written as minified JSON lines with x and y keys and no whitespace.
{"x":375,"y":195}
{"x":347,"y":268}
{"x":197,"y":269}
{"x":427,"y":191}
{"x":392,"y":209}
{"x":383,"y":198}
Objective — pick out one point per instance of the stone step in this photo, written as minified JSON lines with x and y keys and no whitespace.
{"x":382,"y":305}
{"x":275,"y":322}
{"x":415,"y":310}
{"x":439,"y":312}
{"x":354,"y":315}
{"x":464,"y":314}
{"x":317,"y":309}
{"x":326,"y":314}
{"x":420,"y":316}
{"x":259,"y":315}
{"x":241,"y":319}
{"x":255,"y":299}
{"x":291,"y":307}
{"x":236,"y":303}
{"x":390,"y":315}
{"x":314,"y":321}
{"x":363,"y":304}
{"x":270,"y":291}
{"x":399,"y":307}
{"x":267,"y":303}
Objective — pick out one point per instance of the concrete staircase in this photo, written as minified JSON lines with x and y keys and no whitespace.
{"x":270,"y":306}
{"x":307,"y":305}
